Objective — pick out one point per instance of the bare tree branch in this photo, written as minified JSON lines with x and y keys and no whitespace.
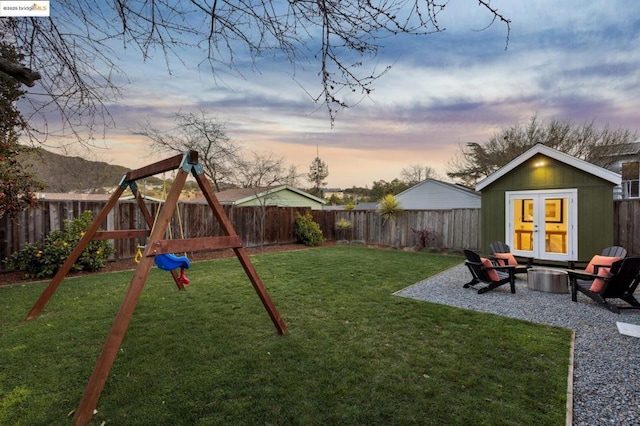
{"x":416,"y":173}
{"x":599,"y":146}
{"x":75,"y":51}
{"x":497,"y":16}
{"x":21,"y":73}
{"x":204,"y":133}
{"x":261,"y":169}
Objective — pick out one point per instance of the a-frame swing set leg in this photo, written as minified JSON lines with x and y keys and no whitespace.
{"x":155,"y":245}
{"x":150,"y":223}
{"x":75,"y":254}
{"x":101,"y":370}
{"x":241,"y":253}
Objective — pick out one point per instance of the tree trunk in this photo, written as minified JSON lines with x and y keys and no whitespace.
{"x":21,"y":73}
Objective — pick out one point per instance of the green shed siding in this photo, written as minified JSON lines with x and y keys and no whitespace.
{"x":493,"y":218}
{"x":595,"y":220}
{"x":595,"y":201}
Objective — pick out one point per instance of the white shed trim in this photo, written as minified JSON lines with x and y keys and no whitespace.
{"x":539,"y":148}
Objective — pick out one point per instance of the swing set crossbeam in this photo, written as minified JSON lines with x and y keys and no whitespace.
{"x":192,"y":245}
{"x":167,"y":165}
{"x":156,"y":245}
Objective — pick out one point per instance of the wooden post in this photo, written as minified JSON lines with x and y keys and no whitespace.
{"x":155,"y":245}
{"x":77,"y":251}
{"x":242,"y":255}
{"x":98,"y":378}
{"x":150,"y":223}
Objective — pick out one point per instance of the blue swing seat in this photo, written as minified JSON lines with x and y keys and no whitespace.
{"x":169,"y":262}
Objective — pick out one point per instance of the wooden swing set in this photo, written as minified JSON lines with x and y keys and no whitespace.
{"x":157,"y":248}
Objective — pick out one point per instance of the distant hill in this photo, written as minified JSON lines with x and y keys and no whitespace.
{"x":61,"y":173}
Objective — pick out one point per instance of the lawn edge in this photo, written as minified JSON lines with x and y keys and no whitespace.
{"x":569,"y":421}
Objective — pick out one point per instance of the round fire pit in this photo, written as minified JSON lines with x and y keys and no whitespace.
{"x":547,"y":280}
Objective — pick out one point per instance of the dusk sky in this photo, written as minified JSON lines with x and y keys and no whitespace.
{"x":571,"y":60}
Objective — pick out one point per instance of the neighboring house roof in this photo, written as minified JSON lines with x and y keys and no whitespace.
{"x":539,"y":148}
{"x":433,"y":194}
{"x":626,"y":149}
{"x":68,"y":196}
{"x":144,"y":197}
{"x":64,"y":196}
{"x":239,"y":196}
{"x":366,"y":206}
{"x":624,"y":153}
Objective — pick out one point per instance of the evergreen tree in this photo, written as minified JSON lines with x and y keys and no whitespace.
{"x":381,"y":188}
{"x":17,"y":186}
{"x":318,"y":172}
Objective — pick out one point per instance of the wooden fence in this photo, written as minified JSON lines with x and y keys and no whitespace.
{"x":193,"y":220}
{"x":448,"y":229}
{"x":627,"y":225}
{"x":444,"y":229}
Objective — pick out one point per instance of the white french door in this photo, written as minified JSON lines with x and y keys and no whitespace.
{"x":542,"y":224}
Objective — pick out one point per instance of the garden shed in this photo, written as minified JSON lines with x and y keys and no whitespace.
{"x":432,"y":194}
{"x":549,"y":205}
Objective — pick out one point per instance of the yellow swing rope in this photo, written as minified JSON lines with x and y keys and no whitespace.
{"x":163,"y":197}
{"x":177,"y":213}
{"x":139,"y":253}
{"x":179,"y":217}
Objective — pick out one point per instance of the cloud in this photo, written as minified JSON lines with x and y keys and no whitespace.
{"x":568,"y":60}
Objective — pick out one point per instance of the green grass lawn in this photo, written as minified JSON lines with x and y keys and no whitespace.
{"x":354,"y":355}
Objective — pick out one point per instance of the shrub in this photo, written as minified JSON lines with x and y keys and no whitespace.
{"x":42,"y":260}
{"x":28,"y":259}
{"x":389,"y":208}
{"x":344,"y":226}
{"x":307,"y":231}
{"x":424,"y":236}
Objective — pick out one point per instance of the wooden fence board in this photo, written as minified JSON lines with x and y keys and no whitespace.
{"x":452,"y":229}
{"x":626,"y":228}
